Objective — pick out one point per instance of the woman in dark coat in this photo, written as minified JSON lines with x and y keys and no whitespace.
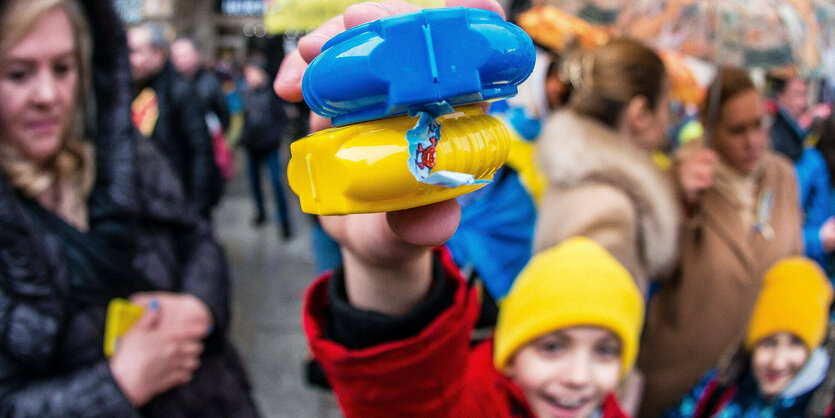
{"x":83,"y":222}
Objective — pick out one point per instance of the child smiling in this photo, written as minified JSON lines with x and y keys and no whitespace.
{"x":781,"y":364}
{"x":567,"y":334}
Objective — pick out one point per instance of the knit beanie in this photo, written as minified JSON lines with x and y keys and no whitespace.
{"x":576,"y":283}
{"x":795,"y":298}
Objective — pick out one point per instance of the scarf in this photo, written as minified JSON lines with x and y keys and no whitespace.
{"x":739,"y":189}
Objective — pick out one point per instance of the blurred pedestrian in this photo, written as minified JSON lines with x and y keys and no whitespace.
{"x":782,"y":369}
{"x":88,"y":219}
{"x":787,"y":135}
{"x":263,"y":131}
{"x":188,"y":61}
{"x":743,"y":215}
{"x":165,"y":110}
{"x":596,"y":156}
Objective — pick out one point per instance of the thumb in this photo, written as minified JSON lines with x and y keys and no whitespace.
{"x":428,"y":225}
{"x":150,"y":317}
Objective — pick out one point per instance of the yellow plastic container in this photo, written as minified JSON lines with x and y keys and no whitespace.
{"x":121,"y":315}
{"x":363,"y":168}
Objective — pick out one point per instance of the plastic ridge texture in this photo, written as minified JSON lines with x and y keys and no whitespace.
{"x":363,"y":168}
{"x":396,"y":64}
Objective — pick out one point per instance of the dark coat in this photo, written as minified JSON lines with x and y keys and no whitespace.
{"x":211,"y":95}
{"x":181,"y":135}
{"x":51,"y":359}
{"x":435,"y":374}
{"x":787,"y":136}
{"x":264,"y":121}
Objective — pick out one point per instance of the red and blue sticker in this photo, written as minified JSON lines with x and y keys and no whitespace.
{"x":423,"y":141}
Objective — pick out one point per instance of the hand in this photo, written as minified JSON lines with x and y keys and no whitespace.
{"x":150,"y":360}
{"x":181,"y":312}
{"x":695,"y":174}
{"x":827,"y":235}
{"x":387,"y":256}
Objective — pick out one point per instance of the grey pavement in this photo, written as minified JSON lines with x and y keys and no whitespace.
{"x":268,"y":278}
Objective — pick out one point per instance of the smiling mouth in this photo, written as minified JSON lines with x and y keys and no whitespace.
{"x":42,"y":126}
{"x":566,"y":407}
{"x":773,"y":377}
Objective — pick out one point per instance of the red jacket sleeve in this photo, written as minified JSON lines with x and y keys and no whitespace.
{"x":423,"y":375}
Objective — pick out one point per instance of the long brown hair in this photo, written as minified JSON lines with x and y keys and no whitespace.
{"x":606,"y":79}
{"x":728,"y":83}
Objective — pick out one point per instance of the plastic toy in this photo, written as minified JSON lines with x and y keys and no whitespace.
{"x":364,"y":167}
{"x":420,"y":64}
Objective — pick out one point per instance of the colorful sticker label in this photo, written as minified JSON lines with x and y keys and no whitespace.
{"x":763,"y":225}
{"x":423,"y":141}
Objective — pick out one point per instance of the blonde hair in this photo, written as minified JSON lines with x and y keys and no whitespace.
{"x":72,"y":163}
{"x":608,"y":77}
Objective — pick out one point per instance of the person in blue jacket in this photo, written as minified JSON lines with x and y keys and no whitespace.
{"x":788,"y":138}
{"x":826,"y":147}
{"x":495,"y":236}
{"x":818,"y":224}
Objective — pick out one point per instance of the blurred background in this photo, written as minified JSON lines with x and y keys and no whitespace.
{"x":270,"y":272}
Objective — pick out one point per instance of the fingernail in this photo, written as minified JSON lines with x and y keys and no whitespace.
{"x":154,"y":304}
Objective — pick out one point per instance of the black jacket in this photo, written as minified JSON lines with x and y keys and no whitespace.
{"x":51,"y":335}
{"x":786,"y":136}
{"x":210,"y":92}
{"x":264,"y":121}
{"x":181,"y":135}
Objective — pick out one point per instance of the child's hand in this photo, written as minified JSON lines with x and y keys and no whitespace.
{"x":387,"y":256}
{"x":827,"y":235}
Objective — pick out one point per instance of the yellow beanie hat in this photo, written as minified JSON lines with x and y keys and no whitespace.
{"x":577,"y":283}
{"x":795,"y":298}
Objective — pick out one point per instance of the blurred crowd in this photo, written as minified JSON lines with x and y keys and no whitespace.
{"x":639,"y":254}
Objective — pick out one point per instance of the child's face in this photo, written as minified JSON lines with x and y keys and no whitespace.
{"x":569,"y":372}
{"x":776,"y":360}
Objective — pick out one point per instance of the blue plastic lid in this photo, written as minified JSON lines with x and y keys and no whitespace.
{"x":400,"y":63}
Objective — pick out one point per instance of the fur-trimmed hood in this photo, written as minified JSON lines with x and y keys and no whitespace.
{"x":576,"y":150}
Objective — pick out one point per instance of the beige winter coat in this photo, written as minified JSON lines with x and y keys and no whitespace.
{"x":603,"y":187}
{"x":704,"y":309}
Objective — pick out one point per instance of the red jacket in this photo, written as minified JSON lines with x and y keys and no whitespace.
{"x":433,"y":374}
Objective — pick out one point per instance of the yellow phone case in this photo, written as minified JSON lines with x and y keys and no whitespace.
{"x":363,"y":168}
{"x":121,"y":315}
